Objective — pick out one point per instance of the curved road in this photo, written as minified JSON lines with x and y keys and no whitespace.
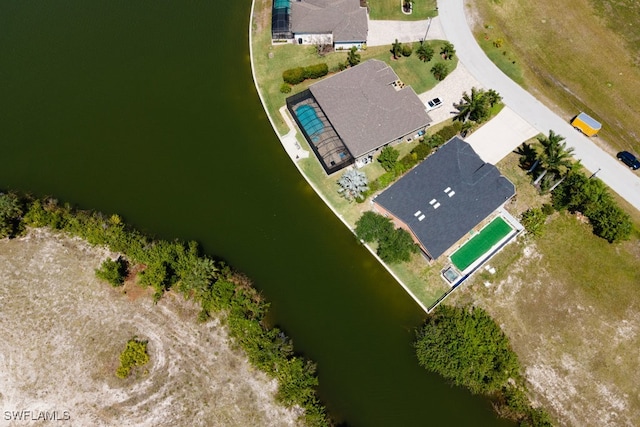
{"x":615,"y":174}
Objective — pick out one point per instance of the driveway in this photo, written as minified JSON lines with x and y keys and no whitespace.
{"x":500,"y":136}
{"x":386,"y":32}
{"x":610,"y":170}
{"x":450,"y":91}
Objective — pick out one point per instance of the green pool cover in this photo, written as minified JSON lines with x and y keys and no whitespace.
{"x":480,"y":243}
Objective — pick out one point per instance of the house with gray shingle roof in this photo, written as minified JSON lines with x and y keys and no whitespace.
{"x":445,"y":197}
{"x":363,"y":109}
{"x":341,"y":23}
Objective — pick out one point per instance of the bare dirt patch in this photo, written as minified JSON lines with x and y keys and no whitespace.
{"x":62,"y":331}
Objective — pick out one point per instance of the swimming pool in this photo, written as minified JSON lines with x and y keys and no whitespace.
{"x":309,"y":120}
{"x":481,"y":243}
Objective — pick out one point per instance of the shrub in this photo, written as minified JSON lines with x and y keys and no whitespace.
{"x":285,"y":88}
{"x":407,"y":50}
{"x":388,"y":157}
{"x":533,"y":220}
{"x":316,"y":71}
{"x":448,"y":132}
{"x":11,"y":208}
{"x":548,"y":209}
{"x":134,"y":354}
{"x":421,"y":150}
{"x":293,"y":76}
{"x":113,"y":272}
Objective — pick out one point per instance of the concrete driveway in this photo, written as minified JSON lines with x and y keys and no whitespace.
{"x":500,"y":136}
{"x":386,"y":32}
{"x":449,"y":91}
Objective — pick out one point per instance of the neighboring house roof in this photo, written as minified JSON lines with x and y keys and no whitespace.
{"x":366,"y":109}
{"x":478,"y":190}
{"x":344,"y":18}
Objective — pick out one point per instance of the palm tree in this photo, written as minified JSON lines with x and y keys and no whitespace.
{"x":425,"y":52}
{"x":492,"y":97}
{"x":447,"y":50}
{"x":354,"y":57}
{"x":556,"y":157}
{"x":396,"y":48}
{"x":472,"y":107}
{"x":528,"y":156}
{"x":352,"y":184}
{"x":440,"y":71}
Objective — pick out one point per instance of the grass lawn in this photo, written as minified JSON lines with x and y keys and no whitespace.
{"x":577,"y":55}
{"x":392,"y":10}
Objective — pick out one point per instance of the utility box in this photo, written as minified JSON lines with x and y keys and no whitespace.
{"x":586,"y":124}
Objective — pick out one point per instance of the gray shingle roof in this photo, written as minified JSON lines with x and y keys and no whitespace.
{"x":479,"y":189}
{"x":344,"y":18}
{"x":366,"y":110}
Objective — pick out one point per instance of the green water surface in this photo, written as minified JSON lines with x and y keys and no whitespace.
{"x":147,"y":109}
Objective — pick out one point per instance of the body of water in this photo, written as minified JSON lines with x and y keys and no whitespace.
{"x":147,"y":109}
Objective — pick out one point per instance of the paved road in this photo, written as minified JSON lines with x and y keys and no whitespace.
{"x":456,"y":29}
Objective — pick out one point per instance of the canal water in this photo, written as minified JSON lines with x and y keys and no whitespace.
{"x":147,"y":109}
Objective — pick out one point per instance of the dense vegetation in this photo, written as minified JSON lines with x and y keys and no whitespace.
{"x":468,"y":348}
{"x":135,"y":354}
{"x":394,"y":244}
{"x":571,"y":189}
{"x":181,"y":267}
{"x":299,"y":74}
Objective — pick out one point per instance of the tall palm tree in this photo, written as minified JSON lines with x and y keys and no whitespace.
{"x":447,"y":50}
{"x":425,"y":52}
{"x":492,"y":97}
{"x":396,"y":48}
{"x":472,"y":106}
{"x":556,"y":157}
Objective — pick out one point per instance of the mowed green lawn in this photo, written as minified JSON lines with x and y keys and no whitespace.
{"x":575,"y":55}
{"x":391,"y":10}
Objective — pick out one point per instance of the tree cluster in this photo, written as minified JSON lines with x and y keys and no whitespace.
{"x":468,"y":348}
{"x":578,"y":193}
{"x":394,"y":244}
{"x":476,"y":106}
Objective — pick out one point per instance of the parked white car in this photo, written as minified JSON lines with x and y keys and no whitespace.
{"x":433,"y":104}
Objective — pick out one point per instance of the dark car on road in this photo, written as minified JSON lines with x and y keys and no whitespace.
{"x":629,"y":159}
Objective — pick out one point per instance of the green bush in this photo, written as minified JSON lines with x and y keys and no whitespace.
{"x":388,"y":157}
{"x":533,"y":221}
{"x":285,"y":88}
{"x":113,"y":272}
{"x":422,"y":150}
{"x":407,"y":50}
{"x":11,"y":209}
{"x":293,"y":76}
{"x":467,"y":347}
{"x":134,"y":354}
{"x":448,"y":132}
{"x":316,"y":71}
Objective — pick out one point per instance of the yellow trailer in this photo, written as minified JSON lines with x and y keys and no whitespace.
{"x":586,"y":124}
